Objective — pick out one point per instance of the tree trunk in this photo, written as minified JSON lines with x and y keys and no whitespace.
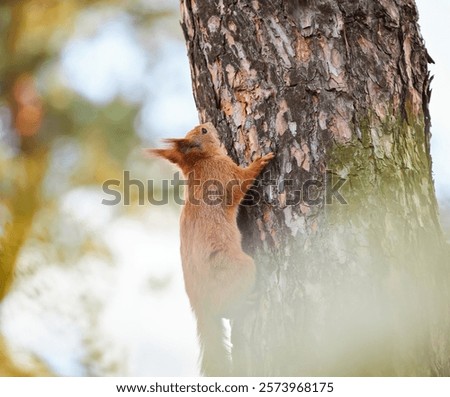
{"x":352,"y":265}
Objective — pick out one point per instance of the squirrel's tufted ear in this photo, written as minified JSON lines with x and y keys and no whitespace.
{"x":172,"y":154}
{"x":155,"y":152}
{"x":182,"y":144}
{"x":148,"y":152}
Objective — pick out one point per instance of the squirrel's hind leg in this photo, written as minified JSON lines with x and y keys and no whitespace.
{"x":232,"y":278}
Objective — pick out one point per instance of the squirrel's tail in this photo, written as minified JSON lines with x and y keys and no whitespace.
{"x":214,"y":355}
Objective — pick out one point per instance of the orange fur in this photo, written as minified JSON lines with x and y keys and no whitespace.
{"x":218,"y":275}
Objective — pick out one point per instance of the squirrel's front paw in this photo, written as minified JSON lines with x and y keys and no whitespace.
{"x":267,"y":157}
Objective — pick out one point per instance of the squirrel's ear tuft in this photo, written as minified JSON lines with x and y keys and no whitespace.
{"x":154,"y":153}
{"x":148,"y":152}
{"x":174,"y":141}
{"x":182,"y":144}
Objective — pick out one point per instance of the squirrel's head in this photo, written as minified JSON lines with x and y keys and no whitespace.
{"x":201,"y":142}
{"x":202,"y":139}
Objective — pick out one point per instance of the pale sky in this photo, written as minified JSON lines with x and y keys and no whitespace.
{"x":435,"y":27}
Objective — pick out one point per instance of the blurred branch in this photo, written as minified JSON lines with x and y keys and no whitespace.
{"x":23,"y":207}
{"x":9,"y":368}
{"x":32,"y":33}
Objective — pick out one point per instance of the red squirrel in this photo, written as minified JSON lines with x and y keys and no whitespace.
{"x":218,"y":275}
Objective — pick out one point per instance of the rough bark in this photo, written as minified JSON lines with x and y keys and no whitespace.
{"x":339,"y":90}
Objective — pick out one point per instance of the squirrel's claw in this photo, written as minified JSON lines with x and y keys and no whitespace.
{"x":267,"y":157}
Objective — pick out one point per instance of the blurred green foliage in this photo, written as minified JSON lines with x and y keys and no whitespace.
{"x":40,"y":114}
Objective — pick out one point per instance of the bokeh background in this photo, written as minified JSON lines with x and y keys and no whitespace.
{"x":84,"y":86}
